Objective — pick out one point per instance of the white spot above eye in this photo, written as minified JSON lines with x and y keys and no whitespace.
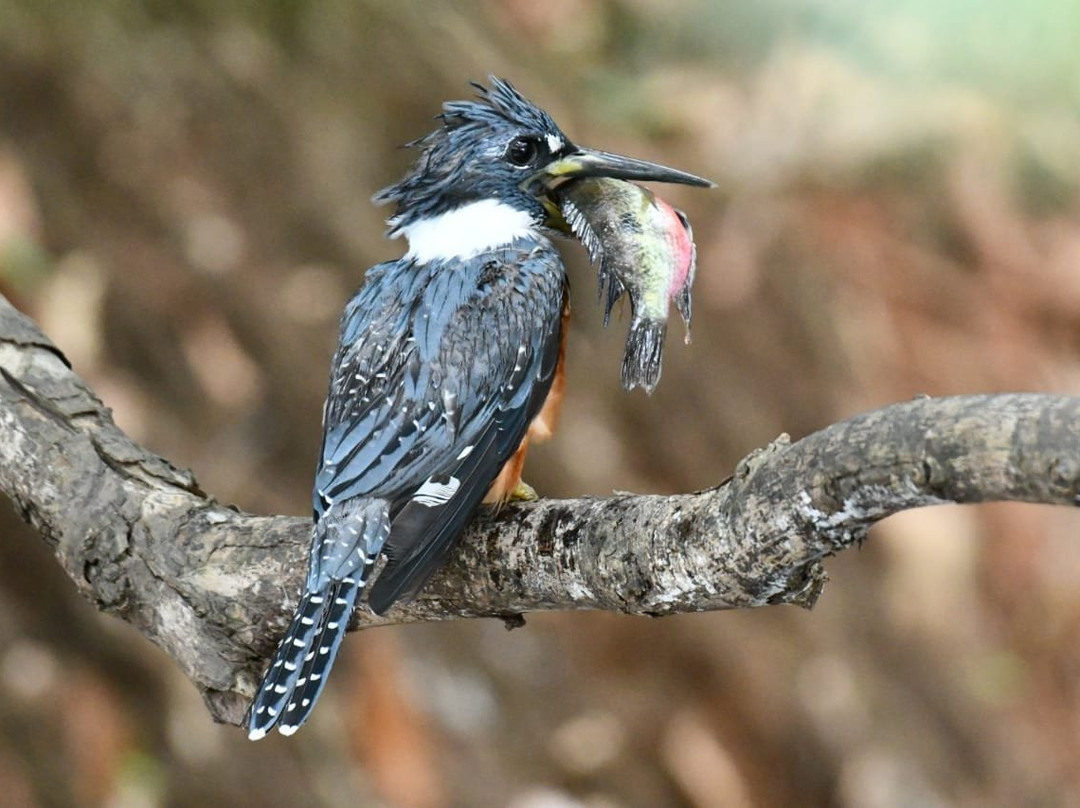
{"x":555,"y":143}
{"x":433,"y":494}
{"x":466,"y":231}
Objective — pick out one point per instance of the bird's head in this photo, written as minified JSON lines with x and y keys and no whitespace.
{"x":491,"y":169}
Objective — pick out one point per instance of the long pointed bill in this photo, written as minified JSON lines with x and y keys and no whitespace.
{"x":591,"y":163}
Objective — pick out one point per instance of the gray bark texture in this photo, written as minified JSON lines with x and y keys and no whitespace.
{"x":214,"y":587}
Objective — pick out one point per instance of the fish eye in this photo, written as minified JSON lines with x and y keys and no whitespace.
{"x":522,"y":150}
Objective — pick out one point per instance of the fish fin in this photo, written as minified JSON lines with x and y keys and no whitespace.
{"x":682,"y":298}
{"x":581,"y":228}
{"x":683,"y":304}
{"x":610,"y":288}
{"x":644,"y":354}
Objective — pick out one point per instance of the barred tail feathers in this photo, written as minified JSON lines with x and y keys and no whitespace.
{"x":285,"y":672}
{"x":345,"y":544}
{"x":320,"y":656}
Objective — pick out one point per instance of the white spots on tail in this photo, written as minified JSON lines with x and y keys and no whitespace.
{"x":433,"y":493}
{"x":465,"y":452}
{"x":466,"y":231}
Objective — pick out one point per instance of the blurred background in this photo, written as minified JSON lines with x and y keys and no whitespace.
{"x":184,"y":207}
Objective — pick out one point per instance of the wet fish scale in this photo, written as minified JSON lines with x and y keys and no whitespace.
{"x":643,"y":248}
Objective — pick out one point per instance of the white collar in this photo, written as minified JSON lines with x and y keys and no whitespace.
{"x":466,"y":231}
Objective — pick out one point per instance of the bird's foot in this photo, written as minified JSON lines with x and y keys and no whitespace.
{"x":523,"y":492}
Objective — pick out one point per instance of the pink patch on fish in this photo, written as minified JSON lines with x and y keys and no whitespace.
{"x":682,"y":246}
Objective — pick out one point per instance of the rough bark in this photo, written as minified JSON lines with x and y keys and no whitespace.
{"x":214,"y":587}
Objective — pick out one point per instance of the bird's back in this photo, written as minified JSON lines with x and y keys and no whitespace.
{"x":440,"y":369}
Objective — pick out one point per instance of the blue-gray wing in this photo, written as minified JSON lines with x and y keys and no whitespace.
{"x":439,"y":373}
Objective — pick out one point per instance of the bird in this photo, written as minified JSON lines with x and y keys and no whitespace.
{"x":449,"y":362}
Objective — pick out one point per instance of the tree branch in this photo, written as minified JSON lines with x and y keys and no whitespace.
{"x":214,"y":587}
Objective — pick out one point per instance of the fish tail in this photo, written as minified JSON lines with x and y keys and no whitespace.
{"x":644,"y":354}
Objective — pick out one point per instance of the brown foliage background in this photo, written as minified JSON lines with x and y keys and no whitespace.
{"x":184,"y":206}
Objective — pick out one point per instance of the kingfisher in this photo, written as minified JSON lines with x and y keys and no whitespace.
{"x":449,"y":363}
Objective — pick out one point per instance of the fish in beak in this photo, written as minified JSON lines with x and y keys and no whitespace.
{"x":581,"y":163}
{"x":644,"y":248}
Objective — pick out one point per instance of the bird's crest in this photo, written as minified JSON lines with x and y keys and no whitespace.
{"x":445,"y":152}
{"x":498,"y":104}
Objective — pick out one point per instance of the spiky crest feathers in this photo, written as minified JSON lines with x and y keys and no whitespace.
{"x":443,"y":151}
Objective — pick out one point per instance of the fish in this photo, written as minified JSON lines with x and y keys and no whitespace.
{"x":642,"y":247}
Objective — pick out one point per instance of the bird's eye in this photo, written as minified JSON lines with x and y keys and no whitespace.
{"x":522,"y":150}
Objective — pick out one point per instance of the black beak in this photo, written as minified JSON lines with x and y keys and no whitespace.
{"x":590,"y":163}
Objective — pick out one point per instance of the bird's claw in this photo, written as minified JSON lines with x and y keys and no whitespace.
{"x":523,"y":492}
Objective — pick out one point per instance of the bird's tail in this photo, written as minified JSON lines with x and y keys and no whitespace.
{"x":343,"y":550}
